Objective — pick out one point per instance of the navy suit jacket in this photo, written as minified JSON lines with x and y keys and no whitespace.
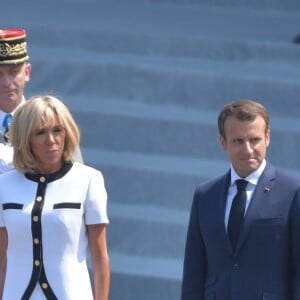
{"x":266,"y":262}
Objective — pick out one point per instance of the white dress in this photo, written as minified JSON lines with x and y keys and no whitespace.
{"x":46,"y":218}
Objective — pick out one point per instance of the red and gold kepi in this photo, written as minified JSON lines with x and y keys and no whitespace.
{"x":13,"y":46}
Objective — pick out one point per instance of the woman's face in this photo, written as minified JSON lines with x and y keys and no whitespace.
{"x":47,"y":145}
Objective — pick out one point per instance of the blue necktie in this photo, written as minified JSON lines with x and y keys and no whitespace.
{"x":6,"y":124}
{"x":237,"y":212}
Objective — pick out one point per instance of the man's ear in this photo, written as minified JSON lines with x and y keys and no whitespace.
{"x":268,"y":136}
{"x":27,"y":72}
{"x":223,"y":143}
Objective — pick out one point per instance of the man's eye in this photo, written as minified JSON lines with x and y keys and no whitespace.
{"x":238,"y":141}
{"x":14,"y":71}
{"x":255,"y":140}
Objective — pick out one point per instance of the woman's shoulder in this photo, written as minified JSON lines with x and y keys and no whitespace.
{"x":86,"y":169}
{"x":10,"y":180}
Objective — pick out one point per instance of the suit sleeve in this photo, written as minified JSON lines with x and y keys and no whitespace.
{"x":295,"y":246}
{"x":194,"y":267}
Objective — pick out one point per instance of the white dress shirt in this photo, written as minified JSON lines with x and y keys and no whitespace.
{"x":252,"y":182}
{"x":3,"y":114}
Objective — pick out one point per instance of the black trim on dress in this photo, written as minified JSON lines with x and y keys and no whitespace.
{"x":38,"y":274}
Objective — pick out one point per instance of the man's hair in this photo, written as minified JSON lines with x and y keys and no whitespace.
{"x":243,"y":110}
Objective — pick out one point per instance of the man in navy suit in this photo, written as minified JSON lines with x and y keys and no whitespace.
{"x":256,"y":256}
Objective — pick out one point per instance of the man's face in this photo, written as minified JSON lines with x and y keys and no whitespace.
{"x":13,"y":78}
{"x":246,"y":143}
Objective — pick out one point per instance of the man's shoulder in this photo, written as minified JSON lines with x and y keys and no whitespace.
{"x":287,"y":178}
{"x":282,"y":177}
{"x":214,"y":184}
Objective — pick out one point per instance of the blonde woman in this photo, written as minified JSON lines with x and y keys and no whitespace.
{"x":52,"y":211}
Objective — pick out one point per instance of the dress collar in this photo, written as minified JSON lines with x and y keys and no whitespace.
{"x":38,"y":177}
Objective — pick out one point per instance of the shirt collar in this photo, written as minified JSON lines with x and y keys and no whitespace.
{"x":3,"y":114}
{"x":252,"y":178}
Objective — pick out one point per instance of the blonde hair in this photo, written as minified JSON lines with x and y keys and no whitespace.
{"x":30,"y":117}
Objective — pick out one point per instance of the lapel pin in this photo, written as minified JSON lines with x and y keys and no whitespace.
{"x":266,"y":189}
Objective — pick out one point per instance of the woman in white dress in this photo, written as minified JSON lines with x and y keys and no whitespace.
{"x":52,"y":211}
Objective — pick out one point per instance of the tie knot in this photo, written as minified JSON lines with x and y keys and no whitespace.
{"x":241,"y":184}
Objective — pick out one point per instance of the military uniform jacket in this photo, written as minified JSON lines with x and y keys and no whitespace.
{"x":46,"y":217}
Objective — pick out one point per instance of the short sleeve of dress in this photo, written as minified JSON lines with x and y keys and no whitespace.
{"x":96,"y":200}
{"x":2,"y":221}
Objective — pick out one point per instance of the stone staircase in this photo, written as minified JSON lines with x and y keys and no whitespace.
{"x":145,"y":81}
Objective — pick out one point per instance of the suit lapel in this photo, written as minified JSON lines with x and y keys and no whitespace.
{"x":264,"y":185}
{"x":221,"y":194}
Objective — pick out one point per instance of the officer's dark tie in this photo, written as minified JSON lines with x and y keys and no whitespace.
{"x":6,"y":124}
{"x":237,"y":212}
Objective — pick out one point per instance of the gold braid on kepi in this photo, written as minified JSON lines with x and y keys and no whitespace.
{"x":13,"y":46}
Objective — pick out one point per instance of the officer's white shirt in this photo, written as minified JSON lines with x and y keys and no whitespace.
{"x":6,"y":158}
{"x":6,"y":152}
{"x":64,"y":236}
{"x":3,"y":114}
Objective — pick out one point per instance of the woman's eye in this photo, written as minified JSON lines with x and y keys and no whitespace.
{"x":40,"y":132}
{"x":57,"y":129}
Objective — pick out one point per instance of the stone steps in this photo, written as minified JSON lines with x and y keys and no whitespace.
{"x":152,"y":223}
{"x":170,"y":131}
{"x":210,"y":47}
{"x":161,"y":81}
{"x":154,"y":179}
{"x":202,"y":30}
{"x":289,"y":5}
{"x":125,"y":286}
